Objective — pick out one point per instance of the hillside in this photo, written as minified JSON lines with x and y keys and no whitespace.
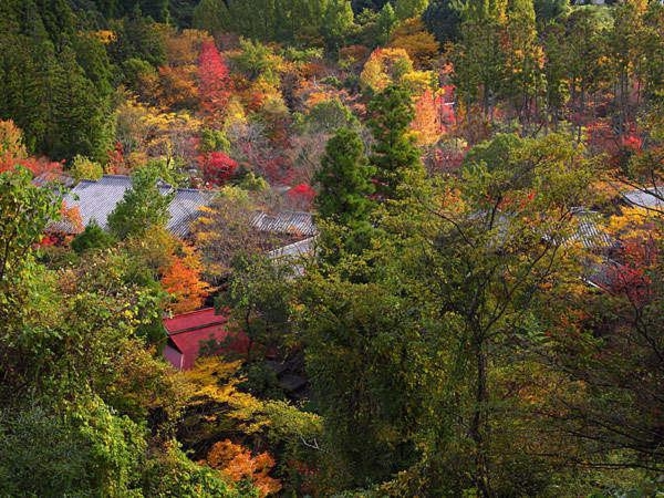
{"x":331,"y":248}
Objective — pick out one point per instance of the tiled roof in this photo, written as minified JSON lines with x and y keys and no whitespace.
{"x":589,"y":231}
{"x":297,"y":223}
{"x":296,"y":250}
{"x":50,"y":178}
{"x":97,"y":199}
{"x":648,"y":198}
{"x":187,"y":331}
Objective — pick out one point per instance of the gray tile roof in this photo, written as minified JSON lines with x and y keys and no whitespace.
{"x":50,"y":178}
{"x":297,"y":223}
{"x":298,"y":249}
{"x":97,"y":199}
{"x":650,"y":198}
{"x":590,"y":232}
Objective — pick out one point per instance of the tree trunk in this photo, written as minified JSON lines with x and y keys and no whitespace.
{"x":479,"y":425}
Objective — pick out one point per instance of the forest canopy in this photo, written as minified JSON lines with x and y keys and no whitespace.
{"x":320,"y":248}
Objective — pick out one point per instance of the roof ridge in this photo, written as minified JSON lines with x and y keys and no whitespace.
{"x":112,"y":176}
{"x":196,"y":327}
{"x":196,"y":311}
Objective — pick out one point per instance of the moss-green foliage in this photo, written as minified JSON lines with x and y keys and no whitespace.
{"x":85,"y":450}
{"x":172,"y":475}
{"x":93,"y":237}
{"x":328,"y":116}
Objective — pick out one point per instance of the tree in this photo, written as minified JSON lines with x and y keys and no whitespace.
{"x":442,"y":19}
{"x":142,"y":206}
{"x":478,"y":58}
{"x":238,"y":464}
{"x":386,"y":21}
{"x":93,"y":237}
{"x":214,"y":84}
{"x":392,"y":66}
{"x":182,"y":280}
{"x":82,"y":168}
{"x":494,"y":267}
{"x":450,"y":313}
{"x":549,"y":11}
{"x":361,"y":347}
{"x":80,"y":119}
{"x":172,"y":474}
{"x":84,"y":450}
{"x":585,"y":48}
{"x":406,"y":9}
{"x":217,"y":168}
{"x":12,"y":147}
{"x":427,"y":121}
{"x":420,"y":45}
{"x":394,"y":155}
{"x":26,"y":210}
{"x":524,"y":60}
{"x":344,"y":181}
{"x":338,"y":23}
{"x":224,"y":230}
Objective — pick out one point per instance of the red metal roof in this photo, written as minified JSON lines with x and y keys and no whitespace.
{"x":188,"y":330}
{"x":193,"y":320}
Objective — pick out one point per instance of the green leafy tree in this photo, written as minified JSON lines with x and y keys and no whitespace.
{"x":450,"y":312}
{"x":523,"y":84}
{"x":142,"y":206}
{"x":478,"y":58}
{"x":492,"y":266}
{"x":26,"y":210}
{"x":82,"y":168}
{"x":258,"y":296}
{"x":93,"y":237}
{"x":549,"y":11}
{"x":83,"y":450}
{"x":361,"y":349}
{"x":585,"y":49}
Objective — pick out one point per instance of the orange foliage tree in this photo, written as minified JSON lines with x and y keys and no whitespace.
{"x":237,"y":464}
{"x":182,"y":280}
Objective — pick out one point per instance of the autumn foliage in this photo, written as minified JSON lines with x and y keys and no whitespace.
{"x":302,"y":196}
{"x":217,"y":168}
{"x":214,"y":84}
{"x":13,"y":152}
{"x":237,"y":464}
{"x":182,"y":280}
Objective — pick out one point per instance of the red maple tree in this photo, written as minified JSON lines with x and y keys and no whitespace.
{"x":214,"y":84}
{"x":216,"y":168}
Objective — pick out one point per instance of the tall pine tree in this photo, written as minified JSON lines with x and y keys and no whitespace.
{"x":344,"y":180}
{"x":395,"y":155}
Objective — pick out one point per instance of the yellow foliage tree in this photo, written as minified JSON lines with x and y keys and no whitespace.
{"x":388,"y":66}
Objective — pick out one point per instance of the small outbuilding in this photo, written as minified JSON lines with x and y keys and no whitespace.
{"x":189,"y":333}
